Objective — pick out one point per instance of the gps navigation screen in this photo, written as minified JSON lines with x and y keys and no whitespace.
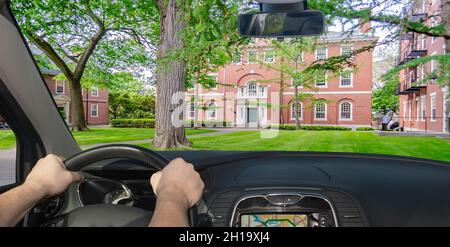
{"x":274,"y":220}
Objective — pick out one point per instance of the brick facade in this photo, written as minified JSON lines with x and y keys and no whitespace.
{"x":423,"y":103}
{"x":92,"y":99}
{"x":245,"y":90}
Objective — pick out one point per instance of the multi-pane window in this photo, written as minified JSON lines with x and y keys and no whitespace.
{"x":346,"y":50}
{"x":417,"y":109}
{"x":433,"y":107}
{"x":192,"y":109}
{"x":269,"y":56}
{"x":60,"y":87}
{"x":94,"y":110}
{"x":252,"y":56}
{"x":409,"y":110}
{"x":404,"y":111}
{"x":237,"y":57}
{"x":94,"y":91}
{"x":321,"y":79}
{"x":252,"y":89}
{"x":346,"y":78}
{"x":320,"y":111}
{"x":423,"y":72}
{"x":424,"y":42}
{"x":423,"y":107}
{"x":321,"y":53}
{"x":211,"y":112}
{"x":299,"y":110}
{"x":434,"y":22}
{"x":345,"y":111}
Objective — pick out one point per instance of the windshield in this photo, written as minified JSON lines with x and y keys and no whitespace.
{"x":180,"y":77}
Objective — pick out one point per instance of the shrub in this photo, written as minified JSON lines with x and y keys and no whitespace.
{"x":364,"y":129}
{"x":133,"y":123}
{"x":131,"y":106}
{"x":209,"y":124}
{"x":313,"y":127}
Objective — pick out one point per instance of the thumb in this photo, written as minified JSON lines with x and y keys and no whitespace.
{"x":76,"y":176}
{"x":154,"y":181}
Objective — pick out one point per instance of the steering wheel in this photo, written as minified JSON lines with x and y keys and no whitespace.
{"x":115,"y":215}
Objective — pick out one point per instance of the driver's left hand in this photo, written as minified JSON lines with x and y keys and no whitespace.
{"x":50,"y":177}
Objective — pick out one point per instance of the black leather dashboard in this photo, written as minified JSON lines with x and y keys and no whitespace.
{"x":364,"y":190}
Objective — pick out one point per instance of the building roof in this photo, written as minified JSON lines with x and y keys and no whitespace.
{"x":340,"y":36}
{"x":46,"y":71}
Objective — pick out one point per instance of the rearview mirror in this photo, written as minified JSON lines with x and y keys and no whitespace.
{"x":282,"y":24}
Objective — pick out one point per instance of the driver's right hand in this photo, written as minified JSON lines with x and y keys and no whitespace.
{"x":178,"y":180}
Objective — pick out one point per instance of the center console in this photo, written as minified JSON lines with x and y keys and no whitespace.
{"x":283,"y":210}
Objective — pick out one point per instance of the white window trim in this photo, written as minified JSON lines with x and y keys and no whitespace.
{"x":215,"y":112}
{"x":344,"y":46}
{"x":96,"y":111}
{"x":434,"y":23}
{"x":404,"y":110}
{"x":346,"y":86}
{"x":326,"y":82}
{"x":409,"y":110}
{"x":417,"y":109}
{"x":326,"y":53}
{"x":96,"y":90}
{"x":265,"y":50}
{"x":326,"y":113}
{"x":189,"y":110}
{"x":424,"y":42}
{"x":423,"y":104}
{"x":248,"y":57}
{"x":422,"y":71}
{"x":63,"y":86}
{"x":351,"y":111}
{"x":292,"y":111}
{"x":432,"y":96}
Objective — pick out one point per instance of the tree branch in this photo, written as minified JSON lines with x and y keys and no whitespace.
{"x":51,"y":53}
{"x":81,"y":66}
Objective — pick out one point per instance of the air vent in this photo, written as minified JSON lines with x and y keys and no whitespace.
{"x":348,"y":214}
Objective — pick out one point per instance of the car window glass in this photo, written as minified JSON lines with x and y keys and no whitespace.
{"x":7,"y":154}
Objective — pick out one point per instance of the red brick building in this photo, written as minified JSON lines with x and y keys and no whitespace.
{"x":423,"y":103}
{"x":242,"y":100}
{"x":95,"y":101}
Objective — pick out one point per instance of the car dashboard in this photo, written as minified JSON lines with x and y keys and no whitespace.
{"x":300,"y":189}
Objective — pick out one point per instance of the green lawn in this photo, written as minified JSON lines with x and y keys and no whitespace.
{"x":107,"y":135}
{"x":100,"y":135}
{"x":330,"y":141}
{"x":7,"y":139}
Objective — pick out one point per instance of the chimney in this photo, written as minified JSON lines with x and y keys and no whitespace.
{"x":364,"y":26}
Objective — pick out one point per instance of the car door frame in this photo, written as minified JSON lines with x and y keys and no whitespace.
{"x":27,"y":103}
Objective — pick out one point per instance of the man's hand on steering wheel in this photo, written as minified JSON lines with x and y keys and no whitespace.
{"x":50,"y":177}
{"x":178,"y":187}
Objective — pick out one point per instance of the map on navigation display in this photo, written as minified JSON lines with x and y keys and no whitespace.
{"x":274,"y":220}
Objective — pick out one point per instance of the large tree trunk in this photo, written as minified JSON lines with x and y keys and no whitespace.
{"x":78,"y":117}
{"x":170,"y":77}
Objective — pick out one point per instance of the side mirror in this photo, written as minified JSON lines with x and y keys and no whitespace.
{"x":282,"y":24}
